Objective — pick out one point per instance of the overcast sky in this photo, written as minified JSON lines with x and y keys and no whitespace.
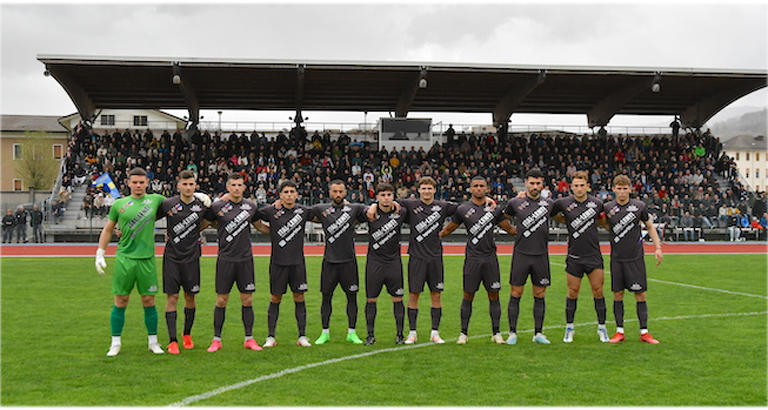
{"x":648,"y":35}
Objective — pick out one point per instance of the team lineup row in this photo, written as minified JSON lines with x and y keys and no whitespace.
{"x":233,"y":216}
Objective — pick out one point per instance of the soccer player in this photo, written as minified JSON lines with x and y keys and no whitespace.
{"x":135,"y":257}
{"x":425,"y":265}
{"x":181,"y":259}
{"x":530,"y":253}
{"x":234,"y":264}
{"x":581,"y":213}
{"x":287,"y":266}
{"x":480,"y":263}
{"x":625,"y":217}
{"x":339,"y":261}
{"x":384,"y":264}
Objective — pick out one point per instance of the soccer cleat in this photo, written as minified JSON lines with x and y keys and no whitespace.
{"x":603,"y":335}
{"x":173,"y":348}
{"x":647,"y":338}
{"x":303,"y":341}
{"x":324,"y":338}
{"x":156,"y":348}
{"x":251,"y":344}
{"x":462,"y":340}
{"x":399,"y":339}
{"x":215,"y":345}
{"x":369,"y":340}
{"x":188,"y":344}
{"x":512,"y":339}
{"x":352,"y":337}
{"x":113,"y":350}
{"x":497,"y":338}
{"x":568,"y":338}
{"x":437,"y":339}
{"x":412,"y":338}
{"x":618,"y":337}
{"x":540,"y":338}
{"x":270,"y":342}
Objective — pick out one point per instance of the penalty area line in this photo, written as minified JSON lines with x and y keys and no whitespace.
{"x":207,"y":395}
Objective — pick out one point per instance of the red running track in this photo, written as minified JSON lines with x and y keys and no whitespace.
{"x":65,"y":249}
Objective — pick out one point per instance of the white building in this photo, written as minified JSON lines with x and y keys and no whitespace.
{"x":751,"y":156}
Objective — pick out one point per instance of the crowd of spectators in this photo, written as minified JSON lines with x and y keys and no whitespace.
{"x":673,"y":176}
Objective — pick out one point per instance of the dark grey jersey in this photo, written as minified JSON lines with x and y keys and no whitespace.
{"x":426,"y":221}
{"x":384,"y":236}
{"x":625,"y":221}
{"x":479,"y":221}
{"x":531,"y":217}
{"x":234,"y":228}
{"x":339,"y":226}
{"x":581,"y":221}
{"x":183,"y":228}
{"x":286,"y":231}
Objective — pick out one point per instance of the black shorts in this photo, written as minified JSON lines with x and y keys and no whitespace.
{"x":227,"y":273}
{"x":482,"y":270}
{"x":537,"y":266}
{"x":586,"y":264}
{"x":178,"y":275}
{"x":628,"y":275}
{"x":280,"y":276}
{"x":344,"y":273}
{"x":429,"y":271}
{"x":378,"y":274}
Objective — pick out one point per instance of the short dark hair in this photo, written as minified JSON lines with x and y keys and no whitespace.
{"x":186,"y":174}
{"x":286,"y":183}
{"x":337,"y":182}
{"x":137,"y":171}
{"x":478,"y":178}
{"x":382,"y":187}
{"x":534,"y":173}
{"x":234,"y":175}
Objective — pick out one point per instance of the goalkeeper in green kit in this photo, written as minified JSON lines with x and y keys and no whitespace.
{"x":135,"y":257}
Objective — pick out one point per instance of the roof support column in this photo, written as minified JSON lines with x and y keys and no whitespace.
{"x":506,"y":106}
{"x":193,"y":106}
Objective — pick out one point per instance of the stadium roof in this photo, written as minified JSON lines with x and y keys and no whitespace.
{"x":695,"y":95}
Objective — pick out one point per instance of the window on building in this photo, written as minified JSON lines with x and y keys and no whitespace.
{"x":757,"y":156}
{"x":737,"y":156}
{"x":747,"y":154}
{"x":108,"y":119}
{"x":58,"y":151}
{"x":17,"y":183}
{"x":746,"y":174}
{"x":757,"y":173}
{"x":140,"y":120}
{"x":16,"y":151}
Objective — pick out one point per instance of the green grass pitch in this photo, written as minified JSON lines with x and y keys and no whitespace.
{"x":708,"y":311}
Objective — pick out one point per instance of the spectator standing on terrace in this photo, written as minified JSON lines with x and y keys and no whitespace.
{"x":21,"y":224}
{"x":9,"y":226}
{"x":36,"y":222}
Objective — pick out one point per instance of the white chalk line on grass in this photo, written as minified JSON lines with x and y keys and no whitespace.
{"x":730,"y":292}
{"x":207,"y":395}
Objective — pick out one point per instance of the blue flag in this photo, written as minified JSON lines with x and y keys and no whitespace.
{"x":105,"y":182}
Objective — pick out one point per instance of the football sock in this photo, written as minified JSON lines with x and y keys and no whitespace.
{"x":601,"y":310}
{"x":272,"y":313}
{"x":189,"y":320}
{"x":437,"y":313}
{"x":513,"y":311}
{"x":170,"y":322}
{"x":570,"y":309}
{"x":413,"y":314}
{"x":370,"y":316}
{"x":219,"y":316}
{"x":247,"y":315}
{"x":642,"y":314}
{"x":301,"y":317}
{"x":150,"y":320}
{"x":466,"y":313}
{"x":325,"y":310}
{"x":618,"y":312}
{"x":539,"y":308}
{"x":117,"y":320}
{"x":352,"y":310}
{"x":495,"y":311}
{"x":399,"y":310}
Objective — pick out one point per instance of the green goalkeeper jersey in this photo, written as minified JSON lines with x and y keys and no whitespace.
{"x":136,"y":219}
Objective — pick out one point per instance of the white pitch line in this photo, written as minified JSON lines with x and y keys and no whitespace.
{"x":207,"y":395}
{"x":730,"y":292}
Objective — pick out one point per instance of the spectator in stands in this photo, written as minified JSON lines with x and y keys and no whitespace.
{"x":734,"y":232}
{"x":36,"y":222}
{"x":98,"y":205}
{"x":686,"y":223}
{"x":21,"y":224}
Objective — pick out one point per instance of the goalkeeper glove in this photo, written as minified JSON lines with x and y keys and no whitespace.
{"x":205,"y":199}
{"x":100,"y":262}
